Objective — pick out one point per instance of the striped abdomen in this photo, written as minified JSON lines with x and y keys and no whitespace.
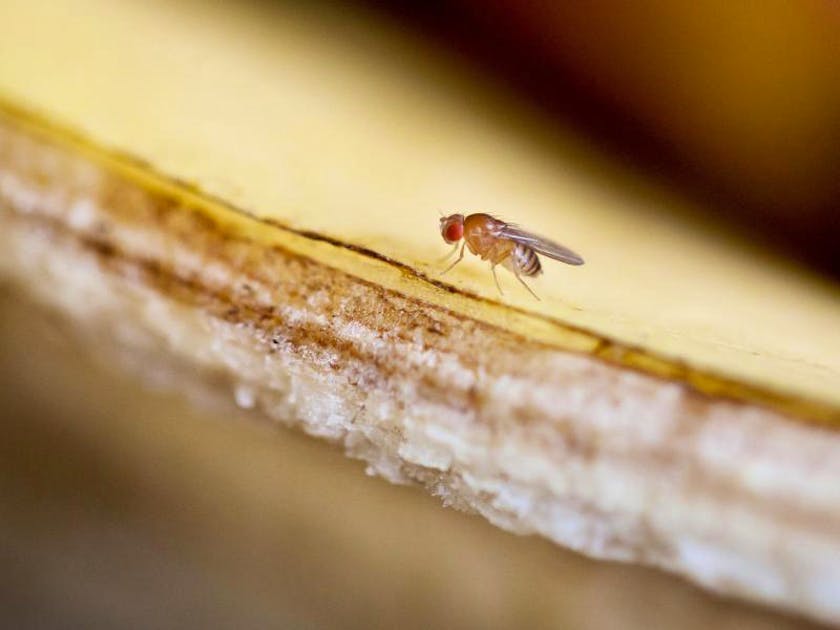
{"x":526,"y":260}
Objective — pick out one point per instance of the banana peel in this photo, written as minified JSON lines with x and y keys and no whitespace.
{"x":255,"y":189}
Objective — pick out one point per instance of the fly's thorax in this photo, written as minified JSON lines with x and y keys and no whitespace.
{"x":479,"y":222}
{"x":481,"y":234}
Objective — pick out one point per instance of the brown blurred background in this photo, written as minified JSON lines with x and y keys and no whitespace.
{"x":735,"y":103}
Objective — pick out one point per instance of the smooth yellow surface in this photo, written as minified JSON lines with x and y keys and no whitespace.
{"x":336,"y":123}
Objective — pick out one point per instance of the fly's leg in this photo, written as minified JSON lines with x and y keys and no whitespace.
{"x":519,"y":277}
{"x":496,"y":278}
{"x":507,"y":255}
{"x":449,"y":255}
{"x":497,"y":255}
{"x":460,"y":257}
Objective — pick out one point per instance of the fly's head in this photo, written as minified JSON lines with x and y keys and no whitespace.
{"x":452,"y":228}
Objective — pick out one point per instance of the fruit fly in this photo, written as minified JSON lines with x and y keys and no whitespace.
{"x":503,"y":244}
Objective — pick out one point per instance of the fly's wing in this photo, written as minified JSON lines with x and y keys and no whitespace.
{"x":540,"y":245}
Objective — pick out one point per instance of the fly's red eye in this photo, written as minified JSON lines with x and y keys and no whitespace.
{"x":454,"y":232}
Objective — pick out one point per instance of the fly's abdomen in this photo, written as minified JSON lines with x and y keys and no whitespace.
{"x":526,"y":260}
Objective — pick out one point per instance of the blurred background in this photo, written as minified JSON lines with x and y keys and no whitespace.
{"x":736,"y":104}
{"x":125,"y":508}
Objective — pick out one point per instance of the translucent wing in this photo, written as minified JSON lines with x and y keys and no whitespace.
{"x":540,"y":245}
